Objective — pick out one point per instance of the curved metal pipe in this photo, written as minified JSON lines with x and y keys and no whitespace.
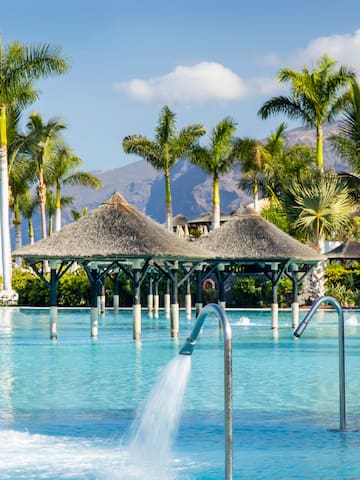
{"x":299,"y":331}
{"x":188,"y":348}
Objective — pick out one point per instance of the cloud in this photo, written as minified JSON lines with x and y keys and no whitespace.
{"x":345,"y":49}
{"x":198,"y":83}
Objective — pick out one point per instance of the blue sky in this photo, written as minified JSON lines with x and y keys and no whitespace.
{"x":205,"y":59}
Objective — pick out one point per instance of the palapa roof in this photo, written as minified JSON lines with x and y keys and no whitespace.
{"x":349,"y":250}
{"x":250,"y":238}
{"x":114,"y":230}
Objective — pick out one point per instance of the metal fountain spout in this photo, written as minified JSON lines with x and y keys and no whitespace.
{"x":188,"y":348}
{"x":299,"y":331}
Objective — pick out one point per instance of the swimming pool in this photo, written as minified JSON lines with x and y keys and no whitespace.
{"x":66,"y":407}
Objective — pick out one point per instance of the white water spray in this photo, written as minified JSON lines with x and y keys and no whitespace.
{"x":155,"y":427}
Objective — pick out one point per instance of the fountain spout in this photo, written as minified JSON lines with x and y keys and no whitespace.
{"x":188,"y":348}
{"x":299,"y":331}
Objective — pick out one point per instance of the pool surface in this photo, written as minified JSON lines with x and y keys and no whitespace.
{"x":66,"y":406}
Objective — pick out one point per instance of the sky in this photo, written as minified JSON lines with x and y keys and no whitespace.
{"x":205,"y":59}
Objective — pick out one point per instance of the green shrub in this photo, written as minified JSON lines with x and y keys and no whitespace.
{"x":74,"y":289}
{"x":32,"y":291}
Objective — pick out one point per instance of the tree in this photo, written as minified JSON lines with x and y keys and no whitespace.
{"x":63,"y":171}
{"x":317,"y":208}
{"x":347,"y":140}
{"x":316,"y":98}
{"x":51,"y":207}
{"x":253,"y":157}
{"x":167,"y":148}
{"x":217,"y":159}
{"x":45,"y":137}
{"x":20,"y":65}
{"x":28,"y":205}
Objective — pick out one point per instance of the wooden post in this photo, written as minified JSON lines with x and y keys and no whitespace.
{"x":150,"y":297}
{"x":136,"y":300}
{"x":116,"y":299}
{"x":156,"y":296}
{"x":174,"y":318}
{"x":94,"y":314}
{"x":198,"y":294}
{"x":167,"y":299}
{"x":295,"y":303}
{"x":274,"y":306}
{"x":221,"y":278}
{"x":188,"y":299}
{"x":53,"y":301}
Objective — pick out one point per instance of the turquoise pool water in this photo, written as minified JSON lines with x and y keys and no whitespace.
{"x":66,"y":406}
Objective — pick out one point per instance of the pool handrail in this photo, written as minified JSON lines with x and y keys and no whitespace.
{"x":188,"y":348}
{"x":299,"y":331}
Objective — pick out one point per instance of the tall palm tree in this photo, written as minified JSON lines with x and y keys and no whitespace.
{"x":45,"y":137}
{"x":347,"y":140}
{"x":217,"y":159}
{"x":63,"y":171}
{"x":167,"y":148}
{"x":253,"y":156}
{"x":317,"y":97}
{"x":28,"y":205}
{"x":20,"y":65}
{"x":65,"y":201}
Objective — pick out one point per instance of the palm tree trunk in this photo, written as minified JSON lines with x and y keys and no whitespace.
{"x":58,"y":209}
{"x":42,"y":200}
{"x":18,"y":236}
{"x":216,"y":203}
{"x":31,"y":232}
{"x":319,"y":148}
{"x":4,"y":198}
{"x":169,"y":214}
{"x":256,"y":197}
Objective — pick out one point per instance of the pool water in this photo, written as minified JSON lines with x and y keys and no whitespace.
{"x":66,"y":406}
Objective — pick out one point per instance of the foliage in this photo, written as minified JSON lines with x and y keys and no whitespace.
{"x":276,"y":214}
{"x":32,"y":291}
{"x":252,"y":291}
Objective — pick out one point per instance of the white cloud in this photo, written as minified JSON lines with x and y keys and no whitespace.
{"x":198,"y":83}
{"x":343,"y":48}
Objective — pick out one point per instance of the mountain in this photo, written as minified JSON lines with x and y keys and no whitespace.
{"x":143,"y":186}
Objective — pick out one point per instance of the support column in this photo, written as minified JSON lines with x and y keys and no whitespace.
{"x":198,"y":293}
{"x":136,"y":301}
{"x":53,"y":301}
{"x":167,"y":299}
{"x":150,"y":297}
{"x":295,"y":303}
{"x":94,"y":311}
{"x":274,"y":306}
{"x":101,"y":299}
{"x":221,"y":278}
{"x":174,"y":313}
{"x":188,"y":299}
{"x":156,"y":296}
{"x":116,"y":299}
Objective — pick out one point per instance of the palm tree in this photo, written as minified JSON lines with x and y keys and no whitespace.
{"x":28,"y":205}
{"x":253,"y":156}
{"x":75,"y":215}
{"x":167,"y":148}
{"x":19,"y":183}
{"x":45,"y":136}
{"x":63,"y":171}
{"x":318,"y":207}
{"x":217,"y":159}
{"x":347,"y":140}
{"x":316,"y":98}
{"x":51,"y":207}
{"x":20,"y":65}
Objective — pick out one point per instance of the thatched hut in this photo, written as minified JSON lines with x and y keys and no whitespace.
{"x":247,"y":238}
{"x":115,"y":235}
{"x":347,"y":251}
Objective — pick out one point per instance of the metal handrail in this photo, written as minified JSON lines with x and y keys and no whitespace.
{"x":188,"y":348}
{"x":299,"y":331}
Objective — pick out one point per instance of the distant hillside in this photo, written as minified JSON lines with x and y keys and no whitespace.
{"x":143,"y":187}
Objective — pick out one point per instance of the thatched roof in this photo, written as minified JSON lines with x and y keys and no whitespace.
{"x":179,"y":220}
{"x":206,"y":218}
{"x":249,"y":237}
{"x":115,"y":230}
{"x":349,"y":250}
